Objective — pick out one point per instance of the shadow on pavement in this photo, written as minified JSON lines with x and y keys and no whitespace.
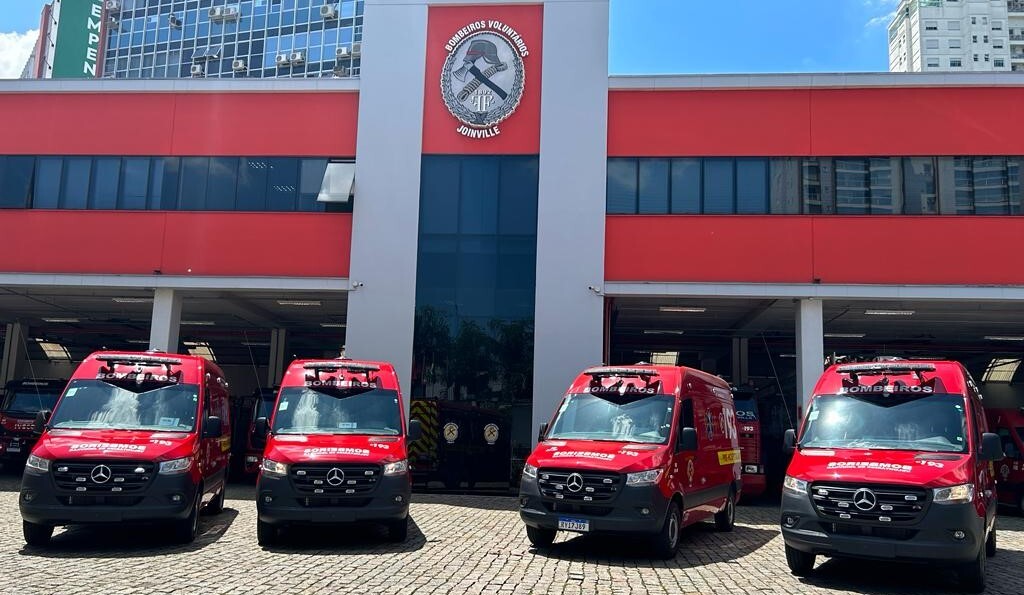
{"x":10,"y":482}
{"x":506,"y":503}
{"x":129,"y":540}
{"x":349,"y":538}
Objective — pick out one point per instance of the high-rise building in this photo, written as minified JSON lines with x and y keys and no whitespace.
{"x":199,"y":38}
{"x":1015,"y":11}
{"x":955,"y":35}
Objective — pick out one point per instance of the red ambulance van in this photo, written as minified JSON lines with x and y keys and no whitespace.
{"x":893,"y":461}
{"x":635,"y":449}
{"x":134,"y":437}
{"x":336,"y":449}
{"x":22,"y":401}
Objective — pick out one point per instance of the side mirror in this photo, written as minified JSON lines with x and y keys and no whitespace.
{"x":542,"y":431}
{"x":42,"y":417}
{"x":687,"y":439}
{"x":212,"y":427}
{"x":415,"y":430}
{"x":789,"y":440}
{"x":260,"y":429}
{"x":991,"y":447}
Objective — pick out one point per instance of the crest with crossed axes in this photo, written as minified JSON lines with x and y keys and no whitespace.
{"x":482,"y":80}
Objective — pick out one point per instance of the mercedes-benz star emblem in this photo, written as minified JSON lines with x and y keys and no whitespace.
{"x":100,"y":474}
{"x":335,"y":476}
{"x":574,"y":482}
{"x":864,"y":499}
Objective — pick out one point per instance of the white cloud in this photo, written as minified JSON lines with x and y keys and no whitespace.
{"x":880,"y":21}
{"x":15,"y":49}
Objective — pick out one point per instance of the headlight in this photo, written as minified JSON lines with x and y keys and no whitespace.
{"x":794,"y":485}
{"x":960,"y":494}
{"x":175,"y":466}
{"x":271,"y":467}
{"x":643,"y":478}
{"x":37,"y":463}
{"x":396,"y":468}
{"x":529,"y":470}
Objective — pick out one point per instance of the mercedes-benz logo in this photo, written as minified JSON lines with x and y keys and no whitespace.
{"x":100,"y":474}
{"x":864,"y":499}
{"x":574,"y":482}
{"x":335,"y":476}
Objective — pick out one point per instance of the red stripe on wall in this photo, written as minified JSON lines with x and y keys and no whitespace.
{"x":808,"y":249}
{"x":263,"y":124}
{"x":177,"y":243}
{"x":823,"y":122}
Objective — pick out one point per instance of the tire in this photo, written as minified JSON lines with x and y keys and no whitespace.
{"x":398,"y":531}
{"x":185,"y":530}
{"x":972,"y":574}
{"x":541,"y":538}
{"x":216,"y":506}
{"x":725,"y":519}
{"x":666,"y":542}
{"x":36,"y":535}
{"x":990,"y":543}
{"x":266,"y":534}
{"x":800,"y":563}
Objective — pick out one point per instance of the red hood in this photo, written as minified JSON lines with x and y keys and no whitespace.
{"x":298,"y":448}
{"x":881,"y":466}
{"x":114,"y":444}
{"x":620,"y":457}
{"x":17,"y":425}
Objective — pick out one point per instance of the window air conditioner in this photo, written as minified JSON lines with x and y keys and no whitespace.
{"x":216,"y":12}
{"x":238,"y":65}
{"x":297,"y":57}
{"x":197,"y":70}
{"x":281,"y":60}
{"x":112,"y":4}
{"x":328,"y":12}
{"x":341,"y":52}
{"x":357,"y":48}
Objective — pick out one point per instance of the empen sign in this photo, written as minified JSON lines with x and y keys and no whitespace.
{"x":79,"y":31}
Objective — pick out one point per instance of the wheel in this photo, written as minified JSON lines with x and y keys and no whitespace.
{"x":666,"y":542}
{"x":266,"y":534}
{"x":216,"y":506}
{"x":800,"y":563}
{"x":725,"y":519}
{"x":540,"y":537}
{"x":185,"y":530}
{"x":990,"y":543}
{"x":36,"y":535}
{"x":398,"y":531}
{"x":972,"y":574}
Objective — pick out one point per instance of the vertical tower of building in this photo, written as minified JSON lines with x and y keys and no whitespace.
{"x":954,"y":35}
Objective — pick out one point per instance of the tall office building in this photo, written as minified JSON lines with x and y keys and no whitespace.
{"x":199,"y":38}
{"x":956,"y":35}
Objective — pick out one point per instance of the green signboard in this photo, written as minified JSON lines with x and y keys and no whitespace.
{"x":79,"y":25}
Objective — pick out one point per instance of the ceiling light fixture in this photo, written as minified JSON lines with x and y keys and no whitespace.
{"x":662,"y":332}
{"x":132,"y":300}
{"x":844,"y":335}
{"x":683,"y":309}
{"x":298,"y":302}
{"x":61,"y":320}
{"x":1003,"y":338}
{"x":333,"y":324}
{"x":197,"y":323}
{"x":889,"y":312}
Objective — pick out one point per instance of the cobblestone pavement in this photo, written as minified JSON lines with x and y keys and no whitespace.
{"x":459,"y":544}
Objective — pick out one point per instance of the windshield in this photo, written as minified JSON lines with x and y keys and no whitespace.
{"x":589,"y":417}
{"x":89,"y":404}
{"x":933,"y":423}
{"x":265,"y":408}
{"x":746,"y":410}
{"x":303,"y":410}
{"x":31,"y":401}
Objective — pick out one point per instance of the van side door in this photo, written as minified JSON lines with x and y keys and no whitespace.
{"x":684,"y":462}
{"x":985,"y":488}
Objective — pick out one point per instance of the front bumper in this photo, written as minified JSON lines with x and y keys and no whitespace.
{"x":277,"y":502}
{"x":625,"y":514}
{"x":932,"y":540}
{"x":41,"y":502}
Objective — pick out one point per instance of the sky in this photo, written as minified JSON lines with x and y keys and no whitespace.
{"x":665,"y":36}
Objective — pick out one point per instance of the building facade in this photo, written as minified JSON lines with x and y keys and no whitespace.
{"x":490,"y":211}
{"x":953,"y":35}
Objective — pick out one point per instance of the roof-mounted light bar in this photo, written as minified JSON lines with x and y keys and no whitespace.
{"x":130,"y":358}
{"x":603,"y":371}
{"x":885,"y":368}
{"x":341,"y":365}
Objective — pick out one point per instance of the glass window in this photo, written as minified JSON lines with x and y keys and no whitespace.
{"x":284,"y":183}
{"x":517,"y":196}
{"x":106,"y":176}
{"x":135,"y":187}
{"x":920,"y":197}
{"x":752,"y":186}
{"x":194,"y":181}
{"x":478,"y":201}
{"x":686,"y":185}
{"x":654,"y":183}
{"x":252,"y":184}
{"x":75,"y":190}
{"x":220,"y":191}
{"x":439,"y":191}
{"x":16,"y":181}
{"x":622,"y":186}
{"x":311,"y":180}
{"x":164,"y":183}
{"x":853,"y":188}
{"x":718,"y":186}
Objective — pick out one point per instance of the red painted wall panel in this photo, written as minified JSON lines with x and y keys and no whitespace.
{"x":824,"y":122}
{"x":236,"y":244}
{"x":271,"y":124}
{"x":802,"y":249}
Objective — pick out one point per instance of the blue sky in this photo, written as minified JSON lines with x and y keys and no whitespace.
{"x":675,"y":36}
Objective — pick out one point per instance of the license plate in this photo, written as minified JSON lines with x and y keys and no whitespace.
{"x":14,"y":447}
{"x":577,"y":525}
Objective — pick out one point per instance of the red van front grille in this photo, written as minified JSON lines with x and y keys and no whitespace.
{"x":868,"y":503}
{"x":578,"y":486}
{"x":334,"y":480}
{"x":101,"y":478}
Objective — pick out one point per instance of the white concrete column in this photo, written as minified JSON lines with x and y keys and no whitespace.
{"x":14,"y":352}
{"x":166,"y":323}
{"x":810,"y":348}
{"x":278,"y":346}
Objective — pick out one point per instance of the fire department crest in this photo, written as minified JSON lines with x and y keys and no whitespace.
{"x":483,"y":77}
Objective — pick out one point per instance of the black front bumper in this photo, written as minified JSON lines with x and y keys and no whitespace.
{"x":277,"y":502}
{"x":42,"y":503}
{"x":932,"y":539}
{"x":623,"y":514}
